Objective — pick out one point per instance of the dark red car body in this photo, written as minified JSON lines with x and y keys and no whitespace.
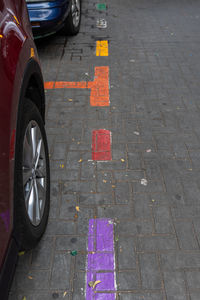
{"x":19,"y":75}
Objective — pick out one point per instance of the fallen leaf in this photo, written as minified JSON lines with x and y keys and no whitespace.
{"x":75,"y":216}
{"x":70,"y":100}
{"x":61,"y":166}
{"x":123,"y":160}
{"x":153,"y":200}
{"x":64,"y":294}
{"x":24,"y":298}
{"x":104,"y":180}
{"x":93,"y":284}
{"x":80,"y":160}
{"x":90,"y":283}
{"x":113,"y":186}
{"x":116,"y":238}
{"x":190,"y":169}
{"x":77,"y":208}
{"x":21,"y":253}
{"x":30,"y":277}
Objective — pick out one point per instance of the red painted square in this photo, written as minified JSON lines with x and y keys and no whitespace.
{"x":101,"y":145}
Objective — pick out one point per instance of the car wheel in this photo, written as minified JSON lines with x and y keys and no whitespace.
{"x":32,"y":178}
{"x":73,"y":21}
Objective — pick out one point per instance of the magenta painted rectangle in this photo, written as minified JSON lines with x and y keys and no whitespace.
{"x":101,"y":259}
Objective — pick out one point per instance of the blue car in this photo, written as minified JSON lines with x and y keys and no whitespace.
{"x":48,"y":17}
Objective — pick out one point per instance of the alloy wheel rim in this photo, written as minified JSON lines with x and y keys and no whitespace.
{"x":76,"y":10}
{"x":34,"y":173}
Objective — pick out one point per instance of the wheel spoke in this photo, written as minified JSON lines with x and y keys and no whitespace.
{"x":28,"y":153}
{"x":27,"y":174}
{"x":41,"y":189}
{"x":37,"y":157}
{"x":34,"y":140}
{"x":29,"y":199}
{"x":37,"y":213}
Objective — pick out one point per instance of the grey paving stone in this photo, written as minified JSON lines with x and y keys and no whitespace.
{"x":179,"y":260}
{"x":150,"y":273}
{"x":186,"y":237}
{"x":162,"y":217}
{"x":66,"y":243}
{"x":146,"y":296}
{"x":122,"y":192}
{"x":175,"y":285}
{"x":126,"y":253}
{"x":193,"y":279}
{"x":136,"y":227}
{"x":127,"y":280}
{"x":157,"y":243}
{"x":42,"y":254}
{"x":60,"y":271}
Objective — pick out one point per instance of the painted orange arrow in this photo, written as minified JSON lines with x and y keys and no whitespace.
{"x":99,"y":95}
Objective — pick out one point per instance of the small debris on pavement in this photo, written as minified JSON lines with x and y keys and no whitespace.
{"x":101,"y":23}
{"x":70,"y":100}
{"x":122,"y":160}
{"x":144,"y":181}
{"x":136,"y":133}
{"x":21,"y":253}
{"x":73,"y":252}
{"x":30,"y":277}
{"x":80,"y":160}
{"x":77,"y":208}
{"x":148,"y":150}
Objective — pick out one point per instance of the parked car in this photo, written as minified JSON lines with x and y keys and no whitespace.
{"x":24,"y":159}
{"x":48,"y":17}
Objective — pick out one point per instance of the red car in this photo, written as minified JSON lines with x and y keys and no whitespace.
{"x":24,"y":159}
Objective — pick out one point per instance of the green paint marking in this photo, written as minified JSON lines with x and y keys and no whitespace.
{"x":101,"y":6}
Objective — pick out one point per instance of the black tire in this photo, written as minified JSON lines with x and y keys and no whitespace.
{"x":28,"y":233}
{"x":71,"y":27}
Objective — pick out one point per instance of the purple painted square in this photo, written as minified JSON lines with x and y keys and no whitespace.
{"x":101,"y":261}
{"x":107,"y":282}
{"x":104,"y":235}
{"x":105,"y":297}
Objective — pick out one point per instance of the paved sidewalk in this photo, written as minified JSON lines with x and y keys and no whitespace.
{"x":150,"y":190}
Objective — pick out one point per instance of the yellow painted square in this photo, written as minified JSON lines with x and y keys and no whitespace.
{"x":102,"y":48}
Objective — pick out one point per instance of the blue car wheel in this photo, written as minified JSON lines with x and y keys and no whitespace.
{"x":73,"y":21}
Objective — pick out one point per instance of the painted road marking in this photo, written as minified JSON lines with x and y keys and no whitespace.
{"x":101,"y":260}
{"x":101,"y":6}
{"x":101,"y":145}
{"x":99,"y":95}
{"x":101,"y":48}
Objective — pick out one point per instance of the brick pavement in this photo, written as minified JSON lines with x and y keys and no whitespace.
{"x":154,"y":65}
